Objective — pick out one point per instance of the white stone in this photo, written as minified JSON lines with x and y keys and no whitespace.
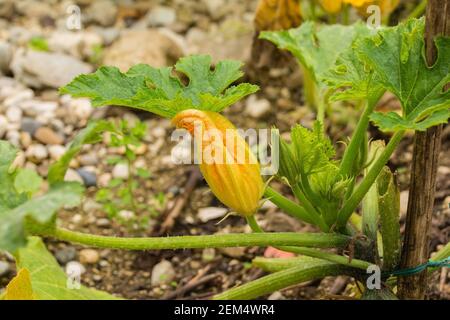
{"x":35,"y":108}
{"x":56,"y":151}
{"x":18,"y":97}
{"x":121,"y":171}
{"x":4,"y":268}
{"x":74,"y":269}
{"x":72,"y":175}
{"x":158,"y":132}
{"x":211,"y":213}
{"x":44,"y":69}
{"x":126,"y":214}
{"x":161,"y":16}
{"x":37,"y":151}
{"x":162,"y":272}
{"x":81,"y":108}
{"x":14,"y":114}
{"x":257,"y":108}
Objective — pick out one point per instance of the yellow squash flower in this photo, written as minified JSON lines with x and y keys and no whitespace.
{"x":331,"y":6}
{"x":386,"y":6}
{"x":226,"y":162}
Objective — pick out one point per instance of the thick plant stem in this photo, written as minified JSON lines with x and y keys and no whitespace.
{"x":331,"y":257}
{"x":289,"y":206}
{"x":355,"y":199}
{"x":351,"y":151}
{"x":427,"y":147}
{"x":317,"y":240}
{"x":308,"y":205}
{"x":282,"y":279}
{"x":418,"y":10}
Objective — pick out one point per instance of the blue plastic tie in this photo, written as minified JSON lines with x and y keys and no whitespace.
{"x":445,"y":263}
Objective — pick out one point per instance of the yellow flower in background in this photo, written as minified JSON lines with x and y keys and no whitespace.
{"x":277,"y":14}
{"x":226,"y":162}
{"x":386,"y":6}
{"x":331,"y":6}
{"x":357,"y":3}
{"x":334,"y":6}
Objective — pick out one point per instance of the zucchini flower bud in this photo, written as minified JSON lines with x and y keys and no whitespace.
{"x":225,"y":160}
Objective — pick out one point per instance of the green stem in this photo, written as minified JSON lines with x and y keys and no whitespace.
{"x":352,"y":203}
{"x":313,"y":16}
{"x":310,"y":208}
{"x":351,"y":151}
{"x":346,"y":261}
{"x":355,"y":263}
{"x":442,"y":254}
{"x":318,"y":240}
{"x":346,"y":15}
{"x":418,"y":10}
{"x":130,"y":186}
{"x":288,"y":206}
{"x":282,"y":279}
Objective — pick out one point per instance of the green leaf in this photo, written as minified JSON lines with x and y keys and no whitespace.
{"x":351,"y":77}
{"x":397,"y":56}
{"x":316,"y":48}
{"x":48,"y":280}
{"x":159,"y":91}
{"x":307,"y":163}
{"x":312,"y":149}
{"x":27,"y":181}
{"x":9,"y":197}
{"x":90,"y":134}
{"x":41,"y":210}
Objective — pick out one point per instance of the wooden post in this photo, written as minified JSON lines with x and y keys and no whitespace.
{"x":423,"y":172}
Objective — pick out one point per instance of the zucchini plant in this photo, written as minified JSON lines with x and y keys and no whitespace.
{"x":345,"y":63}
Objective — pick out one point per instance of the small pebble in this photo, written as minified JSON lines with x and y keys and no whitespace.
{"x":48,"y":136}
{"x":56,"y":151}
{"x":162,"y":273}
{"x":89,"y":178}
{"x":72,"y":175}
{"x":37,"y":151}
{"x":30,"y":125}
{"x":211,"y":213}
{"x":121,"y":171}
{"x":126,"y":214}
{"x":74,"y":269}
{"x":103,"y":223}
{"x":4,"y":268}
{"x":14,"y":114}
{"x":257,"y":108}
{"x":65,"y":255}
{"x":89,"y":256}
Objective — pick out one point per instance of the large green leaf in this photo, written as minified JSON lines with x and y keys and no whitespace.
{"x":316,"y":47}
{"x":40,"y":210}
{"x":90,"y":134}
{"x":160,"y":92}
{"x":397,"y":56}
{"x":351,"y":77}
{"x":48,"y":280}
